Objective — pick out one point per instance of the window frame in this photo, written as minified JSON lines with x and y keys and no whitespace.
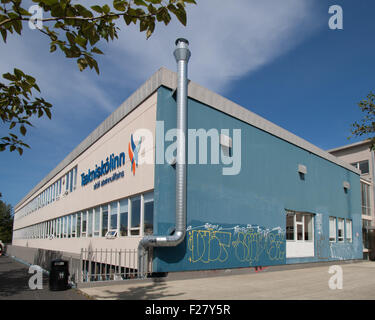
{"x":334,"y":219}
{"x":340,"y":221}
{"x":349,"y":230}
{"x":302,"y":224}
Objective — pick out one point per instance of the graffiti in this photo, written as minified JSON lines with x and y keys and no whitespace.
{"x":209,"y":245}
{"x":212,"y":243}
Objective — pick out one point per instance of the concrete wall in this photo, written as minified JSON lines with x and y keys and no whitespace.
{"x":84,"y":197}
{"x":240,"y":220}
{"x":357,"y":153}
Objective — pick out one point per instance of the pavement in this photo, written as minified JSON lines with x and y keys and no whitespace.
{"x":310,"y":283}
{"x":14,"y":284}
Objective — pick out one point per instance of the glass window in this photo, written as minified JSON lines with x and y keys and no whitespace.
{"x":299,"y":232}
{"x":135,"y":216}
{"x":113,"y":217}
{"x":332,"y":229}
{"x":364,"y":167}
{"x":124,"y":217}
{"x":84,"y":224}
{"x":75,"y":177}
{"x":149,"y":214}
{"x":74,"y":225}
{"x":349,"y":231}
{"x":104,"y":220}
{"x":290,"y":226}
{"x":71,"y":180}
{"x":64,"y":227}
{"x":97,"y":222}
{"x":69,"y":225}
{"x":89,"y":223}
{"x":365,"y":193}
{"x":308,"y":224}
{"x":79,"y":225}
{"x":299,"y":217}
{"x":340,"y":230}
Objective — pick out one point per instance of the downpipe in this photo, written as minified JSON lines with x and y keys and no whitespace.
{"x":182,"y":55}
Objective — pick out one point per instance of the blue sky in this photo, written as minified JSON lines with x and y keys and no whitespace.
{"x":277,"y":58}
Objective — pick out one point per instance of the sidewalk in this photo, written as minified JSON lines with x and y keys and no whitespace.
{"x":14,"y":279}
{"x":297,"y":284}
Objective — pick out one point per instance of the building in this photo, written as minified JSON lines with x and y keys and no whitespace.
{"x":256,"y":194}
{"x":361,"y":157}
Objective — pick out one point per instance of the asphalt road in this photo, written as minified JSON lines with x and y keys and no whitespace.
{"x":14,"y":284}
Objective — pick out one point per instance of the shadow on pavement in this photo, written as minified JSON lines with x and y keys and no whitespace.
{"x":14,"y":284}
{"x":148,"y":291}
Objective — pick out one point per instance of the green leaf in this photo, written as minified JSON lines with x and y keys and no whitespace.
{"x":106,"y":9}
{"x":4,"y":34}
{"x":96,"y":50}
{"x":49,"y":2}
{"x":48,"y":113}
{"x":23,"y":130}
{"x":140,"y":3}
{"x":119,"y":5}
{"x":81,"y":41}
{"x":9,"y":77}
{"x":20,"y":150}
{"x":97,"y":9}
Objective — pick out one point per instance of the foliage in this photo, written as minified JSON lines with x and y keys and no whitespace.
{"x":75,"y":30}
{"x":6,"y":222}
{"x":367,"y":125}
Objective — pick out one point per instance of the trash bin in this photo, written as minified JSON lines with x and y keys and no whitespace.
{"x":59,"y":275}
{"x":371,"y":242}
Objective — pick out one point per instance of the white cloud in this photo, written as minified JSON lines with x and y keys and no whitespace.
{"x":227,"y":39}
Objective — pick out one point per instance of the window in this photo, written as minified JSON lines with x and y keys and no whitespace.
{"x":113,"y":216}
{"x":340,"y":230}
{"x":308,"y":227}
{"x":124,"y":217}
{"x":299,"y":226}
{"x":74,"y":225}
{"x":365,"y":193}
{"x":135,"y":216}
{"x":290,"y":226}
{"x":78,"y":225}
{"x":365,"y":224}
{"x":89,"y":222}
{"x":332,"y":229}
{"x":349,"y":232}
{"x":84,"y":224}
{"x":363,"y":166}
{"x":97,"y":222}
{"x":148,"y":213}
{"x":104,"y":220}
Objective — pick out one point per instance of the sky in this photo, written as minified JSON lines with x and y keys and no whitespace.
{"x":277,"y":58}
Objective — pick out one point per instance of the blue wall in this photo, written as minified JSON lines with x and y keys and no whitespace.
{"x":239,"y":220}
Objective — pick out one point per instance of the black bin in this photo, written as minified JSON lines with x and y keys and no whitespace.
{"x":371,"y":242}
{"x":59,"y":275}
